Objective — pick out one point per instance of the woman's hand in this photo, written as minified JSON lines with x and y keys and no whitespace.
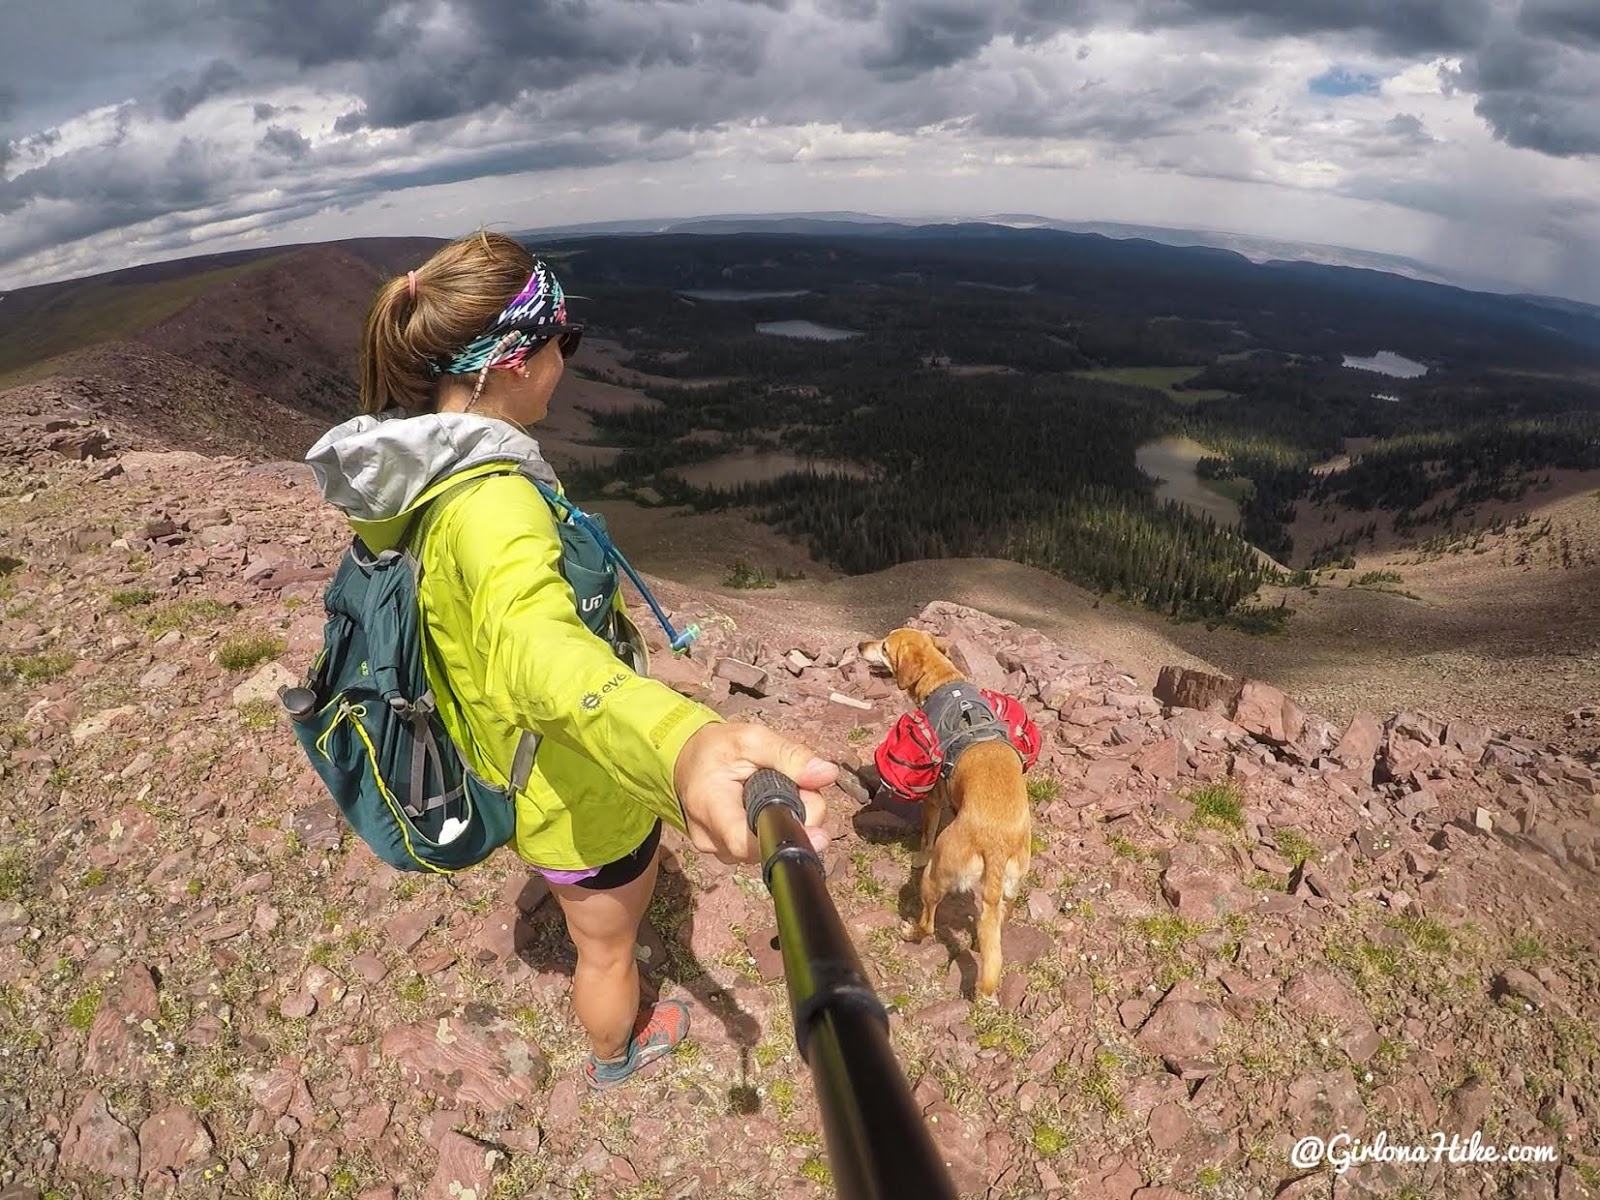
{"x":710,"y":775}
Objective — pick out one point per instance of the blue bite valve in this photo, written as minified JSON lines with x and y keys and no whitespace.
{"x":681,"y":642}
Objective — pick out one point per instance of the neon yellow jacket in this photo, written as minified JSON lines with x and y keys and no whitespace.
{"x":506,"y":650}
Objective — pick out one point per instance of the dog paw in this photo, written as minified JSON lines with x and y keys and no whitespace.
{"x":991,"y":999}
{"x":919,"y":860}
{"x":911,"y":931}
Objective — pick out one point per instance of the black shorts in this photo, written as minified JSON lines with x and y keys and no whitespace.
{"x":626,"y":870}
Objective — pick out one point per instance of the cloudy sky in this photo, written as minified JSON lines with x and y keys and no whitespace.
{"x":1465,"y":133}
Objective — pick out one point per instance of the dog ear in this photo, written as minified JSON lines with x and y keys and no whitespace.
{"x":941,"y":644}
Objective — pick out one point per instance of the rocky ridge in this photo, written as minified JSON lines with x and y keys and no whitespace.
{"x":1245,"y":924}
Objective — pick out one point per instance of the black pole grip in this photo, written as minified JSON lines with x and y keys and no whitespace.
{"x":767,"y":787}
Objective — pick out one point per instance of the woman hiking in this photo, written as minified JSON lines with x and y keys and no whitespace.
{"x":459,"y":359}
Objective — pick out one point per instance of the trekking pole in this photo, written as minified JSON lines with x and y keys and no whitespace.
{"x":878,"y":1146}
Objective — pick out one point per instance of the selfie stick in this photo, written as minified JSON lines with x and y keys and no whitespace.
{"x":878,"y":1146}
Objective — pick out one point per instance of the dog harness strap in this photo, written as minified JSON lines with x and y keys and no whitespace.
{"x":962,"y":718}
{"x":922,"y":747}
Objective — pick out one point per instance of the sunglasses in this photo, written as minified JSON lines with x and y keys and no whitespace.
{"x":567,"y":337}
{"x":568,"y":340}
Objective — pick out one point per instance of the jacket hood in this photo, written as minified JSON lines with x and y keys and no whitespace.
{"x":376,"y":469}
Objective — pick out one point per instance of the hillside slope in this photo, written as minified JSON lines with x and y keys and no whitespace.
{"x":1240,"y":931}
{"x":1477,"y":636}
{"x":288,"y":327}
{"x":144,"y":398}
{"x":282,"y":322}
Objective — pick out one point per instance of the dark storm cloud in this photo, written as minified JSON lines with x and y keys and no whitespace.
{"x":264,"y":111}
{"x":1562,"y":20}
{"x":124,"y":187}
{"x":1560,"y":126}
{"x":1537,"y":94}
{"x":179,"y":99}
{"x":313,"y":33}
{"x":849,"y":10}
{"x":410,"y":68}
{"x":1408,"y":127}
{"x":923,"y":36}
{"x":1125,"y":112}
{"x":1508,"y":64}
{"x":8,"y":104}
{"x":286,"y":142}
{"x":918,"y":36}
{"x":1442,"y":200}
{"x":1401,"y":26}
{"x":196,"y":184}
{"x":413,"y":64}
{"x":1402,"y":136}
{"x":571,"y":153}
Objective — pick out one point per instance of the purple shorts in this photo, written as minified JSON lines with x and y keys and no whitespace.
{"x":613,"y":874}
{"x":569,"y":877}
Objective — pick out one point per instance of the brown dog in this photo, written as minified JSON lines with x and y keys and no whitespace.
{"x":988,"y":847}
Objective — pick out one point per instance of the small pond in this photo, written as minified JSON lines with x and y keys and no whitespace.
{"x":1387,"y":362}
{"x":734,"y":295}
{"x":809,"y":330}
{"x":1172,"y":461}
{"x":749,"y":465}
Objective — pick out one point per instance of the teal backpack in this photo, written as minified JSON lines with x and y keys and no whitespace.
{"x":366,"y":718}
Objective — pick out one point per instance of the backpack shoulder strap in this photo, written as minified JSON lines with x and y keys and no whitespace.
{"x":430,"y":511}
{"x":528,"y":741}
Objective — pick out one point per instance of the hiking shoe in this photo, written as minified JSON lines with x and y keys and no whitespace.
{"x":659,"y":1030}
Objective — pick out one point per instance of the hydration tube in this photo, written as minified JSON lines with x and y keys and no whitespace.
{"x":678,"y":641}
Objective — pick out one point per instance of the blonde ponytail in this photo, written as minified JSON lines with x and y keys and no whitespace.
{"x":432,"y":312}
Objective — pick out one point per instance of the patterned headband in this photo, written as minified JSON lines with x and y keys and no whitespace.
{"x":508,"y":341}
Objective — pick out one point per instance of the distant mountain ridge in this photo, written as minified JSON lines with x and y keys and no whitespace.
{"x":1136,"y":259}
{"x":284,"y":320}
{"x":855,"y":224}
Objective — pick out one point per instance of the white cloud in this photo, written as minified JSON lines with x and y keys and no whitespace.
{"x":377,"y":118}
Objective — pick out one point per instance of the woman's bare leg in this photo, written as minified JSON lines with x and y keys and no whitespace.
{"x":605,"y":985}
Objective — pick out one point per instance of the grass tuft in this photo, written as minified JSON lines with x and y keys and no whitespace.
{"x":1124,"y":848}
{"x":816,"y":1170}
{"x":1218,"y":805}
{"x":84,"y":1010}
{"x":183,"y":615}
{"x":998,"y":1029}
{"x":1049,"y":1140}
{"x":1167,"y":933}
{"x":1526,"y":948}
{"x":743,"y":575}
{"x":36,"y":668}
{"x":14,"y":874}
{"x":259,"y":714}
{"x":1043,"y":788}
{"x":1294,"y":846}
{"x":245,"y":651}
